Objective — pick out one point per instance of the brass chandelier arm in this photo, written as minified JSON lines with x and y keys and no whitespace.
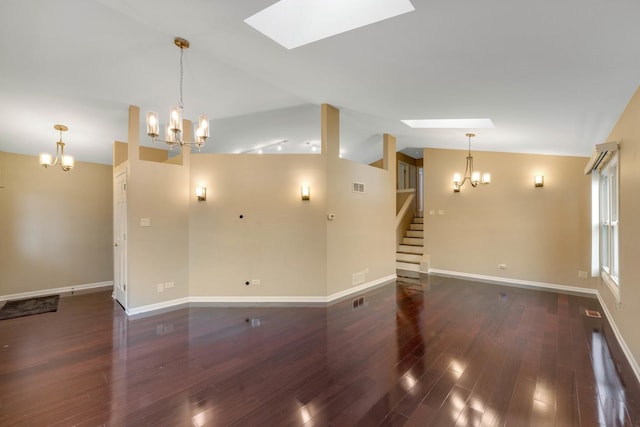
{"x":55,"y":160}
{"x":179,"y":143}
{"x":59,"y":152}
{"x":468,"y":170}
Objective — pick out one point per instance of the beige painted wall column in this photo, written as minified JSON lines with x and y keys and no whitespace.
{"x":389,"y":154}
{"x":330,"y":131}
{"x":361,"y":238}
{"x":158,"y":191}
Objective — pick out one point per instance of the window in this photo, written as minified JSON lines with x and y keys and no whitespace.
{"x":609,"y":225}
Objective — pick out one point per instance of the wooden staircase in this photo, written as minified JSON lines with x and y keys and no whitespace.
{"x":409,"y":253}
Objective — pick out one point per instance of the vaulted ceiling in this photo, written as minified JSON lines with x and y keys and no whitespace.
{"x":553,"y":76}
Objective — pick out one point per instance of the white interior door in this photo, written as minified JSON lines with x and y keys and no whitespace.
{"x":120,"y":237}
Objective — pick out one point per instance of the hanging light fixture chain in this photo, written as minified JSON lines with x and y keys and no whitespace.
{"x":181,"y":72}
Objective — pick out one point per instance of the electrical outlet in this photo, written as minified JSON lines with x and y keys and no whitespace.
{"x":160,"y":287}
{"x":255,"y":282}
{"x":583,"y":274}
{"x":145,"y":222}
{"x":502,"y":266}
{"x":168,"y":285}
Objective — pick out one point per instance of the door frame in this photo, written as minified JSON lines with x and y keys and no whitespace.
{"x":120,"y":271}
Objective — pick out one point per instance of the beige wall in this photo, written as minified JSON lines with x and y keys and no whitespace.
{"x":55,"y":226}
{"x":159,"y":253}
{"x":627,"y":314}
{"x":541,"y":234}
{"x":280,"y":240}
{"x":286,"y":243}
{"x":362,"y":238}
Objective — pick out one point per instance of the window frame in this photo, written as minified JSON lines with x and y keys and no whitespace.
{"x":609,"y":224}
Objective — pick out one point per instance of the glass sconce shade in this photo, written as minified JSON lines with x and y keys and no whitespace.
{"x":305,"y":193}
{"x":153,"y":126}
{"x":170,"y":135}
{"x":175,"y":120}
{"x":45,"y":159}
{"x":67,"y":162}
{"x":201,"y":193}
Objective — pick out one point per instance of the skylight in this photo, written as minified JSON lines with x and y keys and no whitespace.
{"x":294,"y":23}
{"x":450,"y":123}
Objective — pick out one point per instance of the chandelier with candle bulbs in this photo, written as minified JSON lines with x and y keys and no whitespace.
{"x":66,"y":162}
{"x":473,"y":176}
{"x":173,"y":131}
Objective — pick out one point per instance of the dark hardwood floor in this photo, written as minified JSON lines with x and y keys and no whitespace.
{"x":439,"y":351}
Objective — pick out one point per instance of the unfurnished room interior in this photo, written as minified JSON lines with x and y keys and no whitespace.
{"x":319,"y":213}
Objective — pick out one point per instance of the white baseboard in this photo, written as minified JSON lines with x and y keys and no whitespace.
{"x":621,"y":341}
{"x":63,"y":290}
{"x":257,"y":300}
{"x":157,"y":306}
{"x":381,"y":281}
{"x":245,"y":301}
{"x":511,"y":282}
{"x":573,"y":289}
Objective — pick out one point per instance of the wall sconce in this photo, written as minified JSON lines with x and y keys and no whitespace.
{"x":201,"y":193}
{"x":538,"y":181}
{"x":305,"y":192}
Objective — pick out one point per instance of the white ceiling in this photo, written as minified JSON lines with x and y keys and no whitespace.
{"x":553,"y":76}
